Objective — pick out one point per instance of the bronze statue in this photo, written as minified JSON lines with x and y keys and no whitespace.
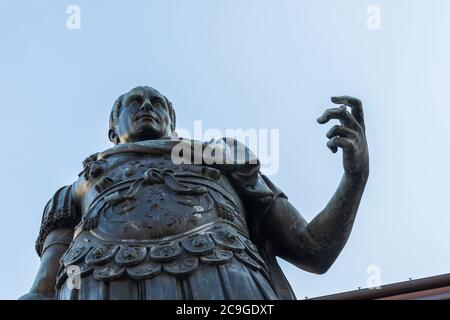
{"x":137,"y":225}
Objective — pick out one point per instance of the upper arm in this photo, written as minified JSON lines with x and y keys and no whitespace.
{"x":55,"y":245}
{"x":60,"y":212}
{"x":283,"y":226}
{"x":290,"y":237}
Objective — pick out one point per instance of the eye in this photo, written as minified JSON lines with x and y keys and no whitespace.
{"x":135,"y":100}
{"x":157,"y":101}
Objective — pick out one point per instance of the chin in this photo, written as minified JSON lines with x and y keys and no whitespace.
{"x":148,"y":133}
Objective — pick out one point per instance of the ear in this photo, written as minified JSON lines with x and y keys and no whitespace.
{"x":172,"y":114}
{"x":113,"y":137}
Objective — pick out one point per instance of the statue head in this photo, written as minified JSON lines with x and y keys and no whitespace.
{"x":141,"y":114}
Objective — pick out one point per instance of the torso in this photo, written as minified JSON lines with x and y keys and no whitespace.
{"x":145,"y":196}
{"x":154,"y":230}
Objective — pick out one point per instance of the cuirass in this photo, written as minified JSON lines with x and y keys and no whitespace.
{"x":162,"y":228}
{"x":140,"y":197}
{"x":106,"y":259}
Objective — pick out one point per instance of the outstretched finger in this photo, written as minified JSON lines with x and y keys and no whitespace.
{"x":340,"y":142}
{"x":345,"y":117}
{"x":355,"y":104}
{"x":341,"y":131}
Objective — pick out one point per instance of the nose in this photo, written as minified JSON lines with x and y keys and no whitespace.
{"x":146,"y":106}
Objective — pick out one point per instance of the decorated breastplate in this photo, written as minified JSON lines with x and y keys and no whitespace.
{"x":136,"y":197}
{"x":143,"y":216}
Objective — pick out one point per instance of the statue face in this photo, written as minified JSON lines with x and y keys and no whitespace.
{"x":144,"y":116}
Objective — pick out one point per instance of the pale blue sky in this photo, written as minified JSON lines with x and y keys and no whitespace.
{"x":239,"y":64}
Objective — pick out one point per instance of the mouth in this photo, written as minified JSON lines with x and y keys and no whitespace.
{"x":145,"y":117}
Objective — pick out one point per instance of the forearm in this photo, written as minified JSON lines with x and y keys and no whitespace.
{"x":326,"y":235}
{"x":55,"y":246}
{"x":44,"y":283}
{"x":314,"y":246}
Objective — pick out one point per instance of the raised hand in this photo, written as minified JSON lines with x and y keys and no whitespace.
{"x":349,"y":135}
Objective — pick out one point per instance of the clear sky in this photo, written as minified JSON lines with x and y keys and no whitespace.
{"x":239,"y":64}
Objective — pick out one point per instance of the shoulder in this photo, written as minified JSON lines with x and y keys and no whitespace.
{"x":235,"y":152}
{"x":59,"y":212}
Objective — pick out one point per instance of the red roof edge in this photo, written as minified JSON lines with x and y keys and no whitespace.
{"x":431,"y":288}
